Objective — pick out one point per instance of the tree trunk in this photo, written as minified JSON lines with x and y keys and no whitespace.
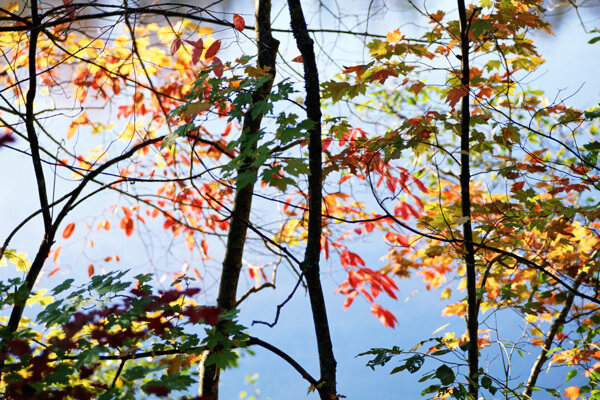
{"x":465,"y":180}
{"x":236,"y":238}
{"x":310,"y":265}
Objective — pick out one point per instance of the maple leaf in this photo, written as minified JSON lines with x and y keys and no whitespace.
{"x":359,"y":69}
{"x":394,"y":36}
{"x":455,"y":94}
{"x":238,"y":22}
{"x":382,"y":75}
{"x":417,"y":87}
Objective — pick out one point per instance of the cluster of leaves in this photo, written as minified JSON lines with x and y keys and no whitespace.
{"x":535,"y":230}
{"x":137,"y":339}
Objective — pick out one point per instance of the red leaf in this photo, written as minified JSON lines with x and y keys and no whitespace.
{"x":298,"y":59}
{"x":175,"y":46}
{"x":238,"y":22}
{"x":91,"y":270}
{"x":158,"y":390}
{"x":213,"y":49}
{"x":218,"y":67}
{"x":198,"y":44}
{"x":420,"y":185}
{"x":18,"y":347}
{"x":70,"y":10}
{"x":196,"y":54}
{"x":349,"y":299}
{"x":5,"y":139}
{"x":68,"y":230}
{"x":517,"y":186}
{"x":416,"y":87}
{"x":385,"y":316}
{"x":455,"y":94}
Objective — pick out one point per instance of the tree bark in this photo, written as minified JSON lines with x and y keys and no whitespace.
{"x":465,"y":180}
{"x":310,"y":265}
{"x":236,"y":238}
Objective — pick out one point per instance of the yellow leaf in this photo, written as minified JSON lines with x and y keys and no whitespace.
{"x":394,"y":36}
{"x":446,"y":294}
{"x":441,"y":328}
{"x":12,"y":7}
{"x":531,"y":318}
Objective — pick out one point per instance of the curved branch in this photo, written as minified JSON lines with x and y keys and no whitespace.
{"x":256,"y":341}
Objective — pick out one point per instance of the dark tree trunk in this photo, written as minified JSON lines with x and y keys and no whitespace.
{"x":236,"y":238}
{"x":465,"y":180}
{"x":310,"y":265}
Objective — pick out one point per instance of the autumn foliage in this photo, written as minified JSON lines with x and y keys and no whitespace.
{"x":478,"y":185}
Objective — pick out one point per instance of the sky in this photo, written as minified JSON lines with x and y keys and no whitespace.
{"x":570,"y":69}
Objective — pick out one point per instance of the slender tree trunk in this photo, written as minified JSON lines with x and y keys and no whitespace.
{"x":236,"y":238}
{"x":465,"y":180}
{"x":557,"y":323}
{"x":310,"y":265}
{"x":38,"y":262}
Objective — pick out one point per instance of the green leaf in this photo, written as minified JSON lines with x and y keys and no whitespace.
{"x":486,"y":382}
{"x":63,"y":286}
{"x":594,"y":40}
{"x":445,"y":374}
{"x":570,"y":375}
{"x":414,"y":363}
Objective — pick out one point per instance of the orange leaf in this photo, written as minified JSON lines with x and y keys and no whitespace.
{"x":190,"y":241}
{"x":175,"y":46}
{"x":91,"y":270}
{"x":213,"y":49}
{"x":127,"y":225}
{"x":82,"y":119}
{"x":56,"y":254}
{"x":54,"y":271}
{"x":238,"y":22}
{"x":68,"y":230}
{"x":196,"y":272}
{"x":572,"y":392}
{"x":359,"y":69}
{"x":385,"y":316}
{"x":298,"y":59}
